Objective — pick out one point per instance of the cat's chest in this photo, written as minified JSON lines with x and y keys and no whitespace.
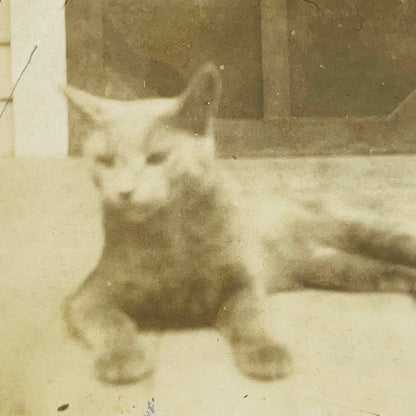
{"x":176,"y":271}
{"x":175,"y":285}
{"x":186,"y":254}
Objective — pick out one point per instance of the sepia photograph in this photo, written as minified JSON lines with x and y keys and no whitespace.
{"x":207,"y":208}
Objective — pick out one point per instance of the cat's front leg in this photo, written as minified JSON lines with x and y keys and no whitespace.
{"x":255,"y":351}
{"x":128,"y":363}
{"x":122,"y":354}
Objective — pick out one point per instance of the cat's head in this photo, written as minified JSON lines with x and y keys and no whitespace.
{"x":139,"y":150}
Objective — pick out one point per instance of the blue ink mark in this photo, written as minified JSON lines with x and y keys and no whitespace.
{"x":150,"y":408}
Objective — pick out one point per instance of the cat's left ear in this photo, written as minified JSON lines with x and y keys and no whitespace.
{"x":199,"y":102}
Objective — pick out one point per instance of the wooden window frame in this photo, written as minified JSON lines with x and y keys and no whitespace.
{"x":256,"y":133}
{"x":41,"y":113}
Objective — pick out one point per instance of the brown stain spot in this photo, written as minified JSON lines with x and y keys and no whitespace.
{"x":63,"y":407}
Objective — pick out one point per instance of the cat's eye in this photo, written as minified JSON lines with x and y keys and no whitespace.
{"x":156,"y":158}
{"x":106,"y":160}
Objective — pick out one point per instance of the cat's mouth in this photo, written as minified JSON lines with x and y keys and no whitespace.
{"x":134,"y":212}
{"x":138,"y":213}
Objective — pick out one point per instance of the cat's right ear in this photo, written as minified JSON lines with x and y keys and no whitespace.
{"x":200,"y":100}
{"x":92,"y":107}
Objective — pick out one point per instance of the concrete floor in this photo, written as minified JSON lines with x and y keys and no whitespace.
{"x":353,"y":354}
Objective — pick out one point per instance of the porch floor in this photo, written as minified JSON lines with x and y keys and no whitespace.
{"x":353,"y":354}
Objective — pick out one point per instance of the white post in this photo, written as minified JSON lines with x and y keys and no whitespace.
{"x":38,"y":70}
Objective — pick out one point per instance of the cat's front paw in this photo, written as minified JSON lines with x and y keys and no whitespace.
{"x":263,"y":360}
{"x":123,"y":368}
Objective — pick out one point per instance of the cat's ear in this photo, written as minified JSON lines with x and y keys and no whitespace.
{"x":94,"y":108}
{"x":200,"y":100}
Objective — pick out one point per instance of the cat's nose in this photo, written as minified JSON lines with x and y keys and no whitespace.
{"x":125,"y":195}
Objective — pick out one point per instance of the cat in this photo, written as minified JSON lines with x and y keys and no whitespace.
{"x":181,"y":251}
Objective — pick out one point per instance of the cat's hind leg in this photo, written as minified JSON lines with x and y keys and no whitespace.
{"x":332,"y":269}
{"x":255,"y":352}
{"x":122,"y":354}
{"x":368,"y":239}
